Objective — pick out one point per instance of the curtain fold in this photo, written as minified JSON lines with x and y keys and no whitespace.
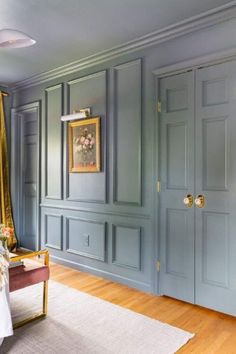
{"x":5,"y":199}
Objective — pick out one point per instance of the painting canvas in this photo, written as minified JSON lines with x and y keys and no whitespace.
{"x":84,"y":145}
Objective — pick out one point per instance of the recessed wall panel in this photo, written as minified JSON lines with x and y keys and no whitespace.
{"x":176,"y":99}
{"x":53,"y":231}
{"x":30,"y":127}
{"x":29,"y":189}
{"x":127,"y":133}
{"x":214,"y":92}
{"x":126,"y":246}
{"x":89,"y":91}
{"x":86,"y":238}
{"x":215,"y":154}
{"x":215,"y":249}
{"x":176,"y":245}
{"x":177,"y":156}
{"x":53,"y":98}
{"x":30,"y":152}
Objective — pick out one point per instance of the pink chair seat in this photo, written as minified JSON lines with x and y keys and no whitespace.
{"x":22,"y":276}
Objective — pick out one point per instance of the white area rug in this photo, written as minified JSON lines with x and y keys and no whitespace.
{"x":83,"y":324}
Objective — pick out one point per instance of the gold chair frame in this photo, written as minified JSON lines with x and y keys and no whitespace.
{"x":44,"y":311}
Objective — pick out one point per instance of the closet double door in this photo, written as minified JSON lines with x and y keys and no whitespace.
{"x":198,"y":187}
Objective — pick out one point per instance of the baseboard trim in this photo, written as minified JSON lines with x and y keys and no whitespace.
{"x":101,"y":273}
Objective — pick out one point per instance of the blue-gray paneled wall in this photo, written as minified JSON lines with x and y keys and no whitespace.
{"x":105,"y":222}
{"x":98,"y":222}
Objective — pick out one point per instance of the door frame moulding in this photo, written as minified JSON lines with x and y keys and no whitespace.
{"x":16,"y":114}
{"x":196,"y":63}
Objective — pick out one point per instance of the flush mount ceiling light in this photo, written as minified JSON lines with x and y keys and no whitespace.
{"x":10,"y":38}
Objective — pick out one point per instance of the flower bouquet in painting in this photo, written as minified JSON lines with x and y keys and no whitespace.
{"x":84,"y":145}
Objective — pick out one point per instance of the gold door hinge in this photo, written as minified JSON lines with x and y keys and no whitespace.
{"x":158,"y":186}
{"x":159,"y":106}
{"x":158,"y":266}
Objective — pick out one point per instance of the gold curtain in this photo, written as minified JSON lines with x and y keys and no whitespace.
{"x":5,"y":200}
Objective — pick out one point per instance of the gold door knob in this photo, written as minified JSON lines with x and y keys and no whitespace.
{"x":188,"y":200}
{"x":200,"y":201}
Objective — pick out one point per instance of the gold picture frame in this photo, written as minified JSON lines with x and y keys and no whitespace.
{"x":84,"y":145}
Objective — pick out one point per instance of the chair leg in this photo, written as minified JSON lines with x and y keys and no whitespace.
{"x":45,"y":297}
{"x":37,"y":316}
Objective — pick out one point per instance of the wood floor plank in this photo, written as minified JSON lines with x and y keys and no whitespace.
{"x":215,"y":333}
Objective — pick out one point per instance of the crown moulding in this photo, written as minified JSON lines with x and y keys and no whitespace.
{"x":192,"y":24}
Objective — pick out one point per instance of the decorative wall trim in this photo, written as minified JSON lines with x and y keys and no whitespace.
{"x":94,"y":211}
{"x":194,"y":23}
{"x":90,"y":201}
{"x":49,"y":89}
{"x":86,"y":254}
{"x":60,"y":217}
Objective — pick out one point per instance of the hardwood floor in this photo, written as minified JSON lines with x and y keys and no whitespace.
{"x":214,"y":332}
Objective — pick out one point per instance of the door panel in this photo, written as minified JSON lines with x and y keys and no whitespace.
{"x":198,"y":152}
{"x":216,"y":180}
{"x":28,"y":185}
{"x":177,"y":180}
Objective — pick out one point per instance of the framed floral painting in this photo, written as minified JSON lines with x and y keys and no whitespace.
{"x":84,"y":145}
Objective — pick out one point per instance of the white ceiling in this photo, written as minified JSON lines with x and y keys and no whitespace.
{"x":68,"y":30}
